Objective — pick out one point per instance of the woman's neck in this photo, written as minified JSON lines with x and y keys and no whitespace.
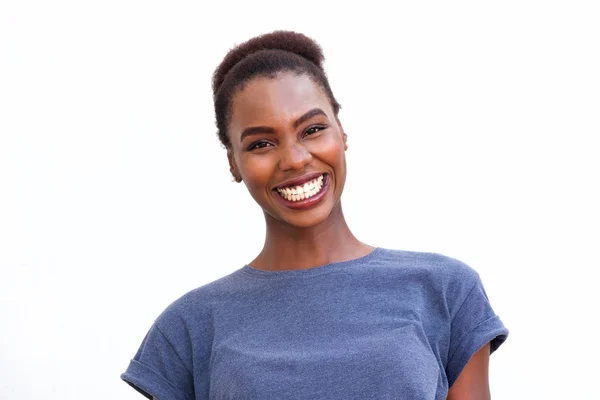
{"x":287,"y":247}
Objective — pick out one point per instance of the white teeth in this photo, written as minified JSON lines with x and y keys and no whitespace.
{"x":302,"y":192}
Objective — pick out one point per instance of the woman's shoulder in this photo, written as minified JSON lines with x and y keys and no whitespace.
{"x":440,"y":277}
{"x":196,"y":304}
{"x":449,"y":278}
{"x":440,"y":265}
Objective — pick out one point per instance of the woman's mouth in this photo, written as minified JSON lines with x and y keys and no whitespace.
{"x":306,"y":194}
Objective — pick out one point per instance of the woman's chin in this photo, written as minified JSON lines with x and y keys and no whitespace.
{"x":302,"y":219}
{"x":307,"y":221}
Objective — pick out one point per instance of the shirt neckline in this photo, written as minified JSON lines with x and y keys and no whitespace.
{"x":248,"y":269}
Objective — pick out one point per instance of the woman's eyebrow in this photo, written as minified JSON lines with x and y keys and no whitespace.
{"x":257,"y":130}
{"x":308,"y":115}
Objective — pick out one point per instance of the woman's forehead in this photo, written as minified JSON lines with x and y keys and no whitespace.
{"x":281,"y":98}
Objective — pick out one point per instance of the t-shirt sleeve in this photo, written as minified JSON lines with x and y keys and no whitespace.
{"x":473,"y":326}
{"x":158,"y":370}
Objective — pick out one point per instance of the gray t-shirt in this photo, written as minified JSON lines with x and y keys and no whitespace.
{"x":390,"y":325}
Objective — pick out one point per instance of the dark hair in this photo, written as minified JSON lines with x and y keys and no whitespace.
{"x":266,"y":55}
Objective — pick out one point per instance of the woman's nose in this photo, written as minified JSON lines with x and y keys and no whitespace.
{"x":294,"y":157}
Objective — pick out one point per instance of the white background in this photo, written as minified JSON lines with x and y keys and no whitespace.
{"x":471,"y":126}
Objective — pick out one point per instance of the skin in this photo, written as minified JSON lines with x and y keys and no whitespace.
{"x":320,"y":235}
{"x":473,"y":382}
{"x":286,"y":150}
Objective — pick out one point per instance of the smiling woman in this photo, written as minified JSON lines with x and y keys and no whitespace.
{"x":286,"y":141}
{"x":317,"y":314}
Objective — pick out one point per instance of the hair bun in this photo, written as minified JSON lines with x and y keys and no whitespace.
{"x":293,"y":42}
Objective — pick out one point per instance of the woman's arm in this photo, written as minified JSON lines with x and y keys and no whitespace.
{"x":472,"y":383}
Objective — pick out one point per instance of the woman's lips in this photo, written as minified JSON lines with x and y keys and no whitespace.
{"x":309,"y":202}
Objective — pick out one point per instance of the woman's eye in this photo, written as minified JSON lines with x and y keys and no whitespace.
{"x":261,"y":144}
{"x":313,"y":129}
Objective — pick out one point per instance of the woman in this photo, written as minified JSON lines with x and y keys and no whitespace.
{"x":317,"y":314}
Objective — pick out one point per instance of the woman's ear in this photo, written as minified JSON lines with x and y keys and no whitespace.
{"x":344,"y":136}
{"x":233,"y":167}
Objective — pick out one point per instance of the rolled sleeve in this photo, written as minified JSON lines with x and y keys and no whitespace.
{"x":157,"y":370}
{"x":474,"y":325}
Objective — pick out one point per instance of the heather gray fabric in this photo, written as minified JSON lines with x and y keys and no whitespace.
{"x":390,"y":325}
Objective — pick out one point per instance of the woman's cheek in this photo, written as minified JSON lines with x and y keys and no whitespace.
{"x":330,"y":149}
{"x":257,"y":170}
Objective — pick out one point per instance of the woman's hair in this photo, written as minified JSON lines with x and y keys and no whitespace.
{"x":265,"y":56}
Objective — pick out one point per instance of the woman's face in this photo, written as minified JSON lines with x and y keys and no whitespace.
{"x":288,"y":147}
